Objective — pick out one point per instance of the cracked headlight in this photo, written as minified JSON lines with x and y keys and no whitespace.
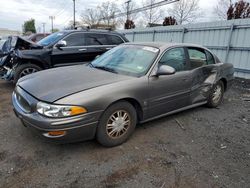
{"x":59,"y":111}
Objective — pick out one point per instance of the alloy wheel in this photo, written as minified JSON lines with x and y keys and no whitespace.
{"x":27,"y":71}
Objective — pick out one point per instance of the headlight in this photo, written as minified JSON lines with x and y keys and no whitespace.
{"x":59,"y":111}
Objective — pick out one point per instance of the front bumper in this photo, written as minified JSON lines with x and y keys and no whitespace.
{"x":78,"y":128}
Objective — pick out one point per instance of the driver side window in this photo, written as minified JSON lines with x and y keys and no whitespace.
{"x":75,"y":39}
{"x":175,"y":58}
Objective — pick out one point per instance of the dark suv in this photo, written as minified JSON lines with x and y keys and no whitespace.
{"x":58,"y":49}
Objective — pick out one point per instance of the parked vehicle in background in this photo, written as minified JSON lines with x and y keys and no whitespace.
{"x":58,"y":49}
{"x":36,"y":37}
{"x":132,"y":83}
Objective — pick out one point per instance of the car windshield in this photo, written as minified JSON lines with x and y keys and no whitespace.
{"x":131,"y":60}
{"x":51,"y":39}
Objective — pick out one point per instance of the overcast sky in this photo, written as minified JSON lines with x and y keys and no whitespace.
{"x":14,"y":12}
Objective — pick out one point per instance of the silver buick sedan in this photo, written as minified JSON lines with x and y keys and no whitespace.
{"x":130,"y":84}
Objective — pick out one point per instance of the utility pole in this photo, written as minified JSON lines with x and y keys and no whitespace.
{"x":43,"y":27}
{"x":128,"y":2}
{"x":52,"y":18}
{"x":74,"y":14}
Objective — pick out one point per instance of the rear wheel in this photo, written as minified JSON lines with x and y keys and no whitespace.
{"x":216,"y":96}
{"x":116,"y":124}
{"x":25,"y":69}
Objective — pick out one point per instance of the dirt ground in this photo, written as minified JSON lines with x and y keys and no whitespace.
{"x":200,"y":147}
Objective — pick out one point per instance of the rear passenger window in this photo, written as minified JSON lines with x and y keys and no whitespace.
{"x":197,"y":57}
{"x":210,"y":58}
{"x":93,"y":39}
{"x":114,"y":40}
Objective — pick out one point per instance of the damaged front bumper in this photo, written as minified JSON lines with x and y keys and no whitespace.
{"x":6,"y":73}
{"x":7,"y":67}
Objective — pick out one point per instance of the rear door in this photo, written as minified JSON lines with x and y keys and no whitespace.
{"x":74,"y":52}
{"x":171,"y":92}
{"x":96,"y":44}
{"x":99,"y":43}
{"x":204,"y":73}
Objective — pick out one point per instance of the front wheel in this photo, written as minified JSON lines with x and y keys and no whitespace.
{"x":25,"y":69}
{"x":216,"y":95}
{"x":116,"y":124}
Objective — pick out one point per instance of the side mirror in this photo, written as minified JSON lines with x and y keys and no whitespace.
{"x":165,"y":70}
{"x":61,"y":43}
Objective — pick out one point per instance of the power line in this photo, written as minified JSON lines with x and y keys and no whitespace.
{"x":147,"y":7}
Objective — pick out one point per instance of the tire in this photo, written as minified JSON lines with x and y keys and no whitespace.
{"x":216,"y":95}
{"x":116,"y":124}
{"x":27,"y":67}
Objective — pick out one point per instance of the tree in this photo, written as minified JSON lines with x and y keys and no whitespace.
{"x":29,"y":26}
{"x":185,"y":11}
{"x":70,"y":25}
{"x":55,"y":30}
{"x":169,"y":21}
{"x":128,"y":7}
{"x":152,"y":15}
{"x":239,"y":10}
{"x":107,"y":12}
{"x":129,"y":24}
{"x":91,"y":17}
{"x":221,"y":9}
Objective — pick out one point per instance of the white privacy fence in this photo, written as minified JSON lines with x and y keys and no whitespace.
{"x":229,"y":40}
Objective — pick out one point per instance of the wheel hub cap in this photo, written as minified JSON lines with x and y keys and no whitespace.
{"x":118,"y":124}
{"x":217,"y":93}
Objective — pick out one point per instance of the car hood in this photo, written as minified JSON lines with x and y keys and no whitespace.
{"x":53,"y":84}
{"x":18,"y":43}
{"x":22,"y":43}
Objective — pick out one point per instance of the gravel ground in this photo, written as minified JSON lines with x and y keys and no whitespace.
{"x":200,"y":147}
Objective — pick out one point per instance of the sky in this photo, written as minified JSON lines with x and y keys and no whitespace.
{"x":13,"y":13}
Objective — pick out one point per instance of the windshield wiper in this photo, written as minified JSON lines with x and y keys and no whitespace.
{"x":91,"y":65}
{"x":105,"y":68}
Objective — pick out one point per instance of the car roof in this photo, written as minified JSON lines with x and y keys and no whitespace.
{"x":164,"y":45}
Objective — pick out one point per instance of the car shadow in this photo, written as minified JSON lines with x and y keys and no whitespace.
{"x":7,"y":85}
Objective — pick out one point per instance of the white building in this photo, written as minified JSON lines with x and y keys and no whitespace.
{"x":7,"y":32}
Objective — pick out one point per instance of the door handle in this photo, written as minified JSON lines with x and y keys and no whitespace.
{"x":83,"y":49}
{"x":108,"y":48}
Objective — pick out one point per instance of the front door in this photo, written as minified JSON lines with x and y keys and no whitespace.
{"x":170,"y":92}
{"x":74,"y":52}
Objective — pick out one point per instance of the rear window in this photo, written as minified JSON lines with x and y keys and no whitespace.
{"x":114,"y":40}
{"x":92,"y":39}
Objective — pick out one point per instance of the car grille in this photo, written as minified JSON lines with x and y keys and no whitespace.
{"x":22,"y":103}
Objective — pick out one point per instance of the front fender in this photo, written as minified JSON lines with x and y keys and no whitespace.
{"x":40,"y":57}
{"x":100,"y":98}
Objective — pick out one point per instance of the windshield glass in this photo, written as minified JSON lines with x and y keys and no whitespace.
{"x":51,"y":39}
{"x":129,"y":60}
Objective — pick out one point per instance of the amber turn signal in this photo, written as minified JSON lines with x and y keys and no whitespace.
{"x":75,"y":110}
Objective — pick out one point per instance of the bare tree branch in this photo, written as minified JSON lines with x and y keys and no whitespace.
{"x":90,"y":17}
{"x":186,"y":11}
{"x":152,"y":15}
{"x":221,"y":9}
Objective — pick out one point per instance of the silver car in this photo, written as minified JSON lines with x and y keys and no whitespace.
{"x":130,"y":84}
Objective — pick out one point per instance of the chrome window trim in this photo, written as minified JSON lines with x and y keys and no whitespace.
{"x":86,"y":32}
